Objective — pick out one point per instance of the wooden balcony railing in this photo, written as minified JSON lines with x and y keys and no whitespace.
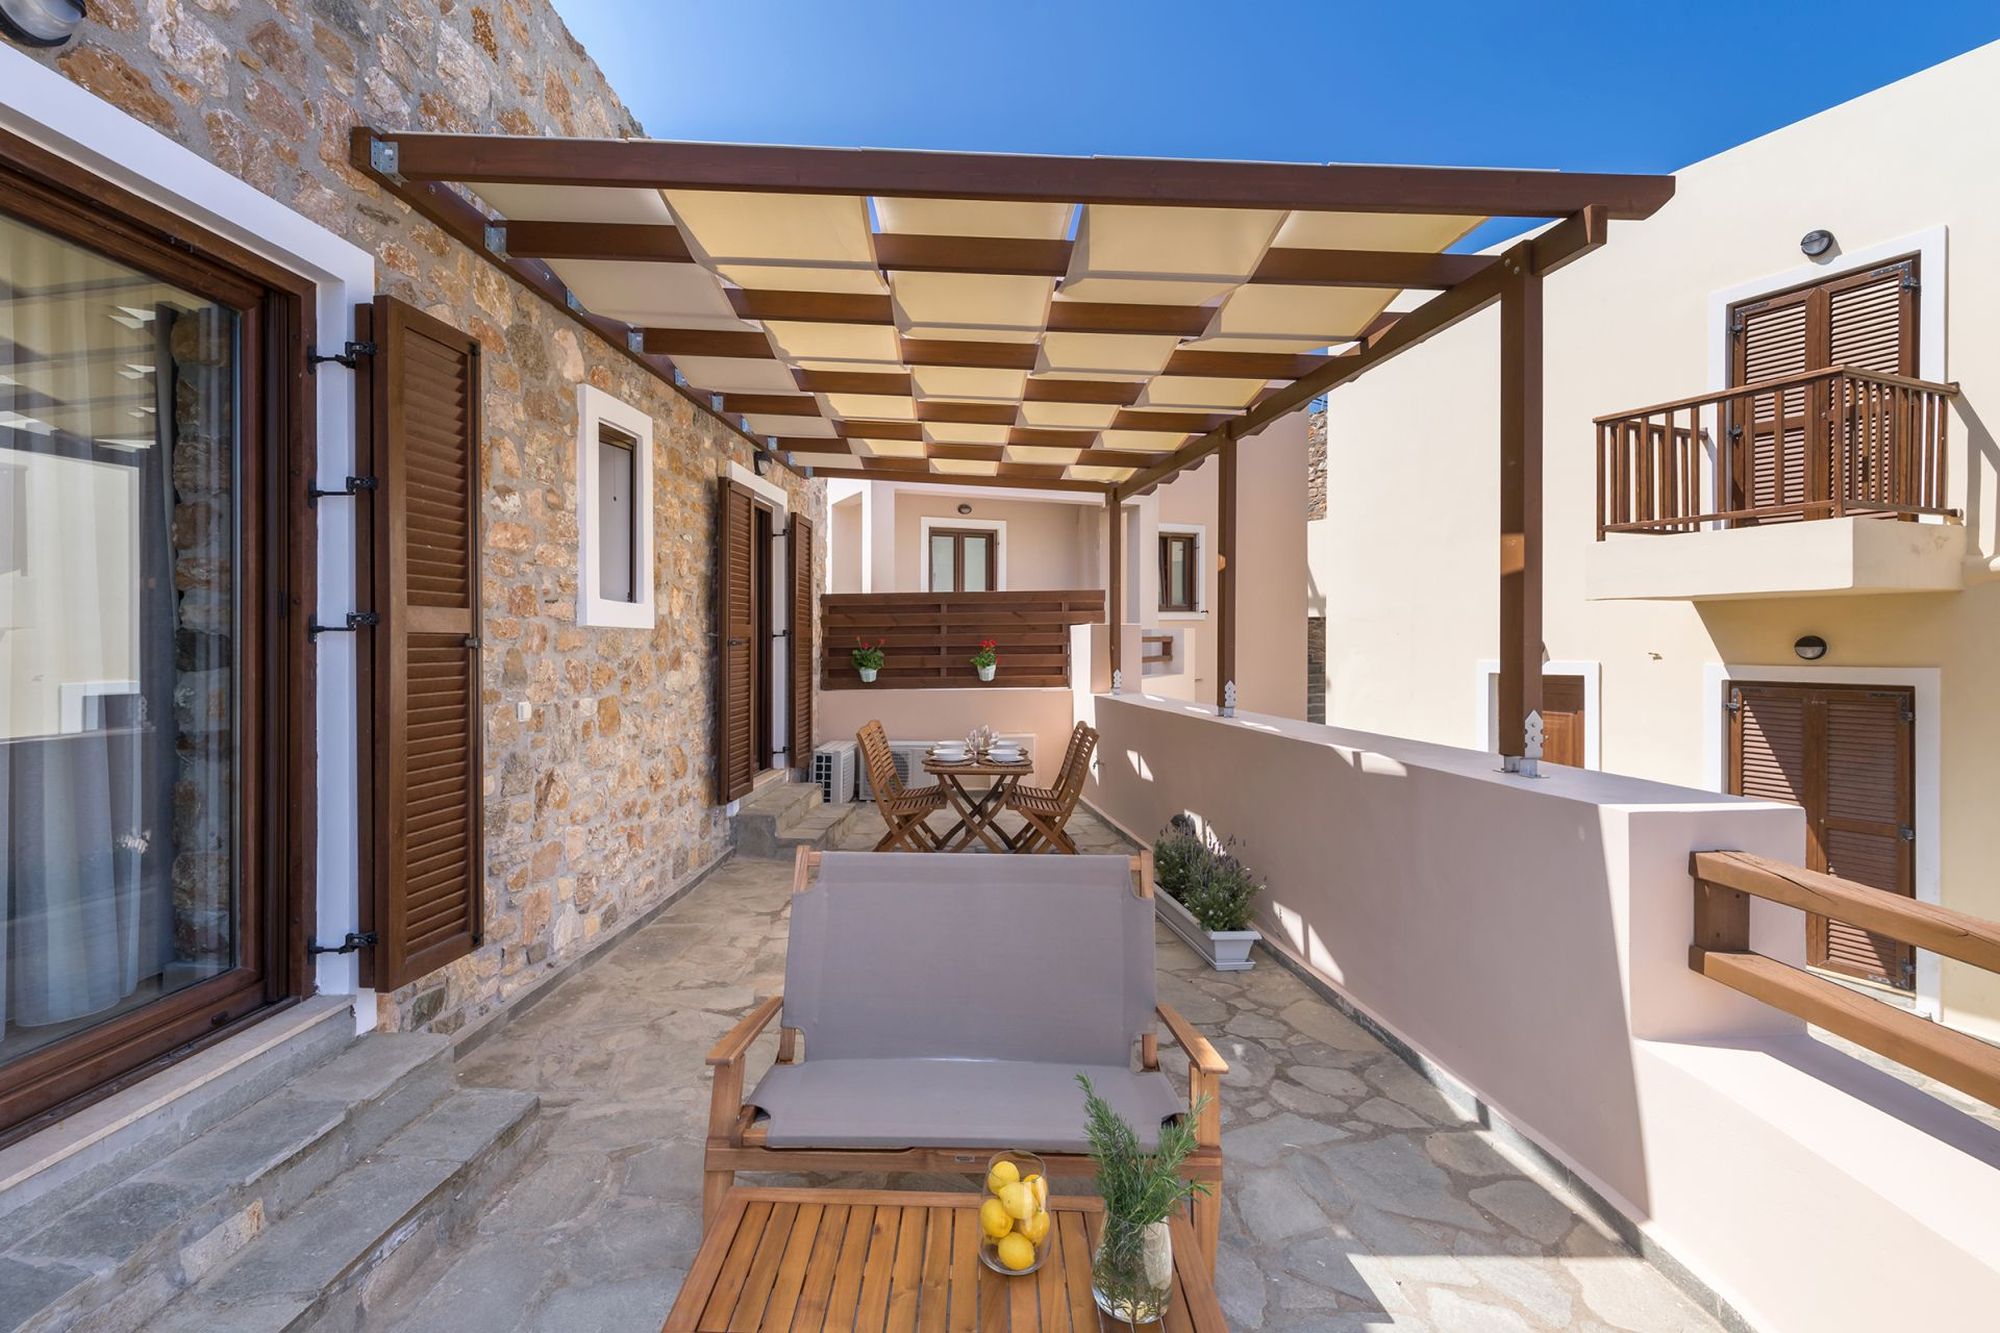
{"x":1822,"y":444}
{"x":929,"y":638}
{"x":1724,"y":884}
{"x":1159,"y":648}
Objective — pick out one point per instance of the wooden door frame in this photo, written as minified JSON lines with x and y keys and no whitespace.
{"x":274,"y":777}
{"x":1925,"y":684}
{"x":995,"y":528}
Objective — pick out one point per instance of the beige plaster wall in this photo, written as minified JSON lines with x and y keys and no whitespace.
{"x":936,"y":715}
{"x":1045,"y":545}
{"x":1406,"y":559}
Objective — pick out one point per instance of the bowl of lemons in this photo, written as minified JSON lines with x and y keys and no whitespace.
{"x":1014,"y":1225}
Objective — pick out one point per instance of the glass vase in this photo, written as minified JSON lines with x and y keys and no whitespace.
{"x":1132,"y":1274}
{"x":1016,"y":1228}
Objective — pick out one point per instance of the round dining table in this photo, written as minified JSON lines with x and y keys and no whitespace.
{"x":978,"y":812}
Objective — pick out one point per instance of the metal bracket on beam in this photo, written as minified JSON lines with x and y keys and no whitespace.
{"x":569,"y":299}
{"x":635,"y":343}
{"x":386,"y":159}
{"x":680,"y":379}
{"x":496,"y":238}
{"x":715,"y":403}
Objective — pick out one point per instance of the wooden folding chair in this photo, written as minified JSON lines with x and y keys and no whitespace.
{"x":1047,"y":810}
{"x":904,"y":809}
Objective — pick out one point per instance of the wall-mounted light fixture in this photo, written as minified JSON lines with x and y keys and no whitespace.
{"x":40,"y":22}
{"x":965,"y":509}
{"x":1816,"y":243}
{"x":1811,"y":648}
{"x":762,"y":462}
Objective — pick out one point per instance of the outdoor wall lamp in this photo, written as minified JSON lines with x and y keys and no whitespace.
{"x":1811,"y":648}
{"x":40,"y":22}
{"x":762,"y":462}
{"x":965,"y":509}
{"x":1816,"y":243}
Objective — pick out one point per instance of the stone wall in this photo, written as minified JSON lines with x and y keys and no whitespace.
{"x":601,"y":803}
{"x":1316,"y":460}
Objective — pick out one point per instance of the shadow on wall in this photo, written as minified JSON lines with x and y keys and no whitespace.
{"x":1432,"y":899}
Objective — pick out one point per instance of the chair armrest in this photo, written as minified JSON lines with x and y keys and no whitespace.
{"x":737,"y":1040}
{"x":1201,"y":1055}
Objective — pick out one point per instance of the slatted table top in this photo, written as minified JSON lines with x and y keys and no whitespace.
{"x":978,"y":766}
{"x":831,"y":1260}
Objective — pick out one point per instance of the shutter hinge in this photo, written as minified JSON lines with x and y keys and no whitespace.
{"x":353,"y":486}
{"x":469,"y":641}
{"x":349,"y":355}
{"x":1910,"y":283}
{"x":355,"y":941}
{"x":1906,"y":833}
{"x":1736,"y":326}
{"x":356,"y":620}
{"x":1734,"y":704}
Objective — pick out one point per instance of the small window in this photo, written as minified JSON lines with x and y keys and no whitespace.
{"x":963,"y":560}
{"x":614,"y":512}
{"x":1180,"y":572}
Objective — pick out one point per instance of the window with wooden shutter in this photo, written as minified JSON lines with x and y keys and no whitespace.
{"x":736,"y":611}
{"x":804,"y":649}
{"x":1866,"y":319}
{"x":420,"y":409}
{"x":1845,"y":755}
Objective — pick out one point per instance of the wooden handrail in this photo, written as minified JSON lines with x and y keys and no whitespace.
{"x":1724,"y":884}
{"x":1792,"y":381}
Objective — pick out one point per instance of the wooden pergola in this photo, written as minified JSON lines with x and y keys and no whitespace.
{"x":1059,"y":323}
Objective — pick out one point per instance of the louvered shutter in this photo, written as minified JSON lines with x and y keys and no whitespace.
{"x":1845,"y":756}
{"x":736,"y":611}
{"x":421,"y":408}
{"x":1867,"y":320}
{"x":1867,"y":812}
{"x":804,"y":652}
{"x":1563,"y":719}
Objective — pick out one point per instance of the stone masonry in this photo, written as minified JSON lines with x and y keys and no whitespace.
{"x":602,"y":803}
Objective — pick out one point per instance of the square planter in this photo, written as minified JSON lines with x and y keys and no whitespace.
{"x":1225,"y":950}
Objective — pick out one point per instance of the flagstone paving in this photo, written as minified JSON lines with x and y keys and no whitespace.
{"x":1357,"y":1198}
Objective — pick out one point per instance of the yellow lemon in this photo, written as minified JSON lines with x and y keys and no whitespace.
{"x":1017,"y":1252}
{"x":1034,"y":1228}
{"x":1003,"y":1174}
{"x":1018,"y":1199}
{"x":994,"y":1220}
{"x":1040,"y":1187}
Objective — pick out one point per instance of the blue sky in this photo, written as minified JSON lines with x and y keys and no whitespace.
{"x":1608,"y":86}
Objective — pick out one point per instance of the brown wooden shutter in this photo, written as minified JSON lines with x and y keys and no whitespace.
{"x":1563,"y":716}
{"x":804,"y":648}
{"x":1868,"y":811}
{"x":736,"y":612}
{"x":1845,"y":755}
{"x":421,"y":401}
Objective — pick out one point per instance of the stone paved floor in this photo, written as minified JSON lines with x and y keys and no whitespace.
{"x":1357,"y":1198}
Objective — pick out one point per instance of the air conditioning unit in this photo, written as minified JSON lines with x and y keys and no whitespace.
{"x":834,"y":768}
{"x":908,"y":756}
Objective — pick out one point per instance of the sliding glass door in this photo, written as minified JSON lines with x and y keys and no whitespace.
{"x":131,"y":414}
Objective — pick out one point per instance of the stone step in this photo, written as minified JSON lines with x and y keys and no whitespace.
{"x":771,"y":822}
{"x":122,"y":1254}
{"x":341,"y":1257}
{"x":47,"y":1173}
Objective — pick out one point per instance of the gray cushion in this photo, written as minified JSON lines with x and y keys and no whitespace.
{"x":1020,"y":958}
{"x":994,"y":1104}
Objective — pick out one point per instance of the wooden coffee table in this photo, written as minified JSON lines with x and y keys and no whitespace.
{"x":838,"y":1260}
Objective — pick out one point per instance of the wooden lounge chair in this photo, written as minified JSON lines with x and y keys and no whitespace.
{"x":936,"y":1011}
{"x":904,"y":809}
{"x":1047,"y":810}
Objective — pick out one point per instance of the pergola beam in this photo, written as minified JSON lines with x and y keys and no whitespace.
{"x":1542,"y":254}
{"x":904,"y":252}
{"x":921,"y":473}
{"x":1341,"y":187}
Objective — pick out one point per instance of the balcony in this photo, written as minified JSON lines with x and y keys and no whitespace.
{"x":1829,"y":481}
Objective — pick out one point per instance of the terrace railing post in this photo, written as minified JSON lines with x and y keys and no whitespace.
{"x":1225,"y":576}
{"x":1114,"y":601}
{"x":1521,"y":501}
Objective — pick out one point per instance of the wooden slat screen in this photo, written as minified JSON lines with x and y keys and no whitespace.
{"x":421,"y":410}
{"x":1844,"y":754}
{"x":803,"y":645}
{"x":736,"y":612}
{"x":929,"y":638}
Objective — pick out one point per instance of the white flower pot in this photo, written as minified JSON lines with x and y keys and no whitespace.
{"x":986,"y":672}
{"x":1225,"y":950}
{"x":867,"y":674}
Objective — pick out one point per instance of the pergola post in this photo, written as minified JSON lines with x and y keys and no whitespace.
{"x":1225,"y":574}
{"x":1520,"y":501}
{"x":1114,"y":597}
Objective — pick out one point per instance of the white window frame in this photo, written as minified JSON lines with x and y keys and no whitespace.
{"x":1199,"y":531}
{"x":957,"y":523}
{"x":595,"y":409}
